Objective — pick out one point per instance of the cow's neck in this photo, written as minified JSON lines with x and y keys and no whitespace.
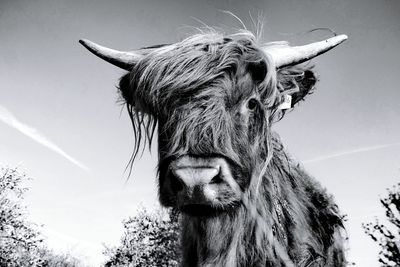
{"x":247,"y":237}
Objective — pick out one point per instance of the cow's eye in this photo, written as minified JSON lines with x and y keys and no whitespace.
{"x":252,"y":104}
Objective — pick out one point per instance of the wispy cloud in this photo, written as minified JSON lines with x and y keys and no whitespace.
{"x":8,"y":118}
{"x":349,"y":152}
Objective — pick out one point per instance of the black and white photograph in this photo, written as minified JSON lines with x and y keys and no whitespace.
{"x":199,"y":133}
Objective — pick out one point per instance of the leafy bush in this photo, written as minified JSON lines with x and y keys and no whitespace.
{"x":49,"y":258}
{"x":19,"y":239}
{"x":21,"y":243}
{"x":388,"y":237}
{"x":149,"y":239}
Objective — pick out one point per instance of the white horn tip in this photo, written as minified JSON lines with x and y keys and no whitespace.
{"x":123,"y":60}
{"x":338,"y":39}
{"x":88,"y":44}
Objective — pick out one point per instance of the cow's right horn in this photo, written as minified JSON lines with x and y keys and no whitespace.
{"x":284,"y":56}
{"x":123,"y":60}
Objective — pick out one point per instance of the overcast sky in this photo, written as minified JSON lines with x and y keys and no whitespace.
{"x":60,"y":120}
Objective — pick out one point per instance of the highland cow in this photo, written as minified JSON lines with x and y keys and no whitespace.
{"x":213,"y":99}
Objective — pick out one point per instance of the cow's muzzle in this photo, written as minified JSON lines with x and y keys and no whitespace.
{"x":203,"y":183}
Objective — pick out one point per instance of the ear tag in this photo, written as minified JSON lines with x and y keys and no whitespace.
{"x":287,"y":102}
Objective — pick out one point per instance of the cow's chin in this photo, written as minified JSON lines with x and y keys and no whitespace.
{"x":206,"y":210}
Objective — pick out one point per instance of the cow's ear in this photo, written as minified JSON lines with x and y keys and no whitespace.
{"x":293,"y":85}
{"x":132,"y":96}
{"x":298,"y":83}
{"x":124,"y":89}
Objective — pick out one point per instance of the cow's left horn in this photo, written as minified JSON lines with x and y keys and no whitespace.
{"x":124,"y":60}
{"x":287,"y":56}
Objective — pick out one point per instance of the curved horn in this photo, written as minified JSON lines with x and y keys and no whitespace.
{"x":286,"y":55}
{"x":124,"y":60}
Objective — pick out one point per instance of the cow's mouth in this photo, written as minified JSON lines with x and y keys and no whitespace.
{"x":200,"y":210}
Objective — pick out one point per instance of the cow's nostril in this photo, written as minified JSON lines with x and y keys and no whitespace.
{"x":216,"y":179}
{"x":176,"y":183}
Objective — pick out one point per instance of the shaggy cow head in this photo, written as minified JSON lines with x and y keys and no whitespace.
{"x":213,"y":98}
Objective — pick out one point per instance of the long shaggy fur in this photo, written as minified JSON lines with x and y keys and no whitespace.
{"x":194,"y":91}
